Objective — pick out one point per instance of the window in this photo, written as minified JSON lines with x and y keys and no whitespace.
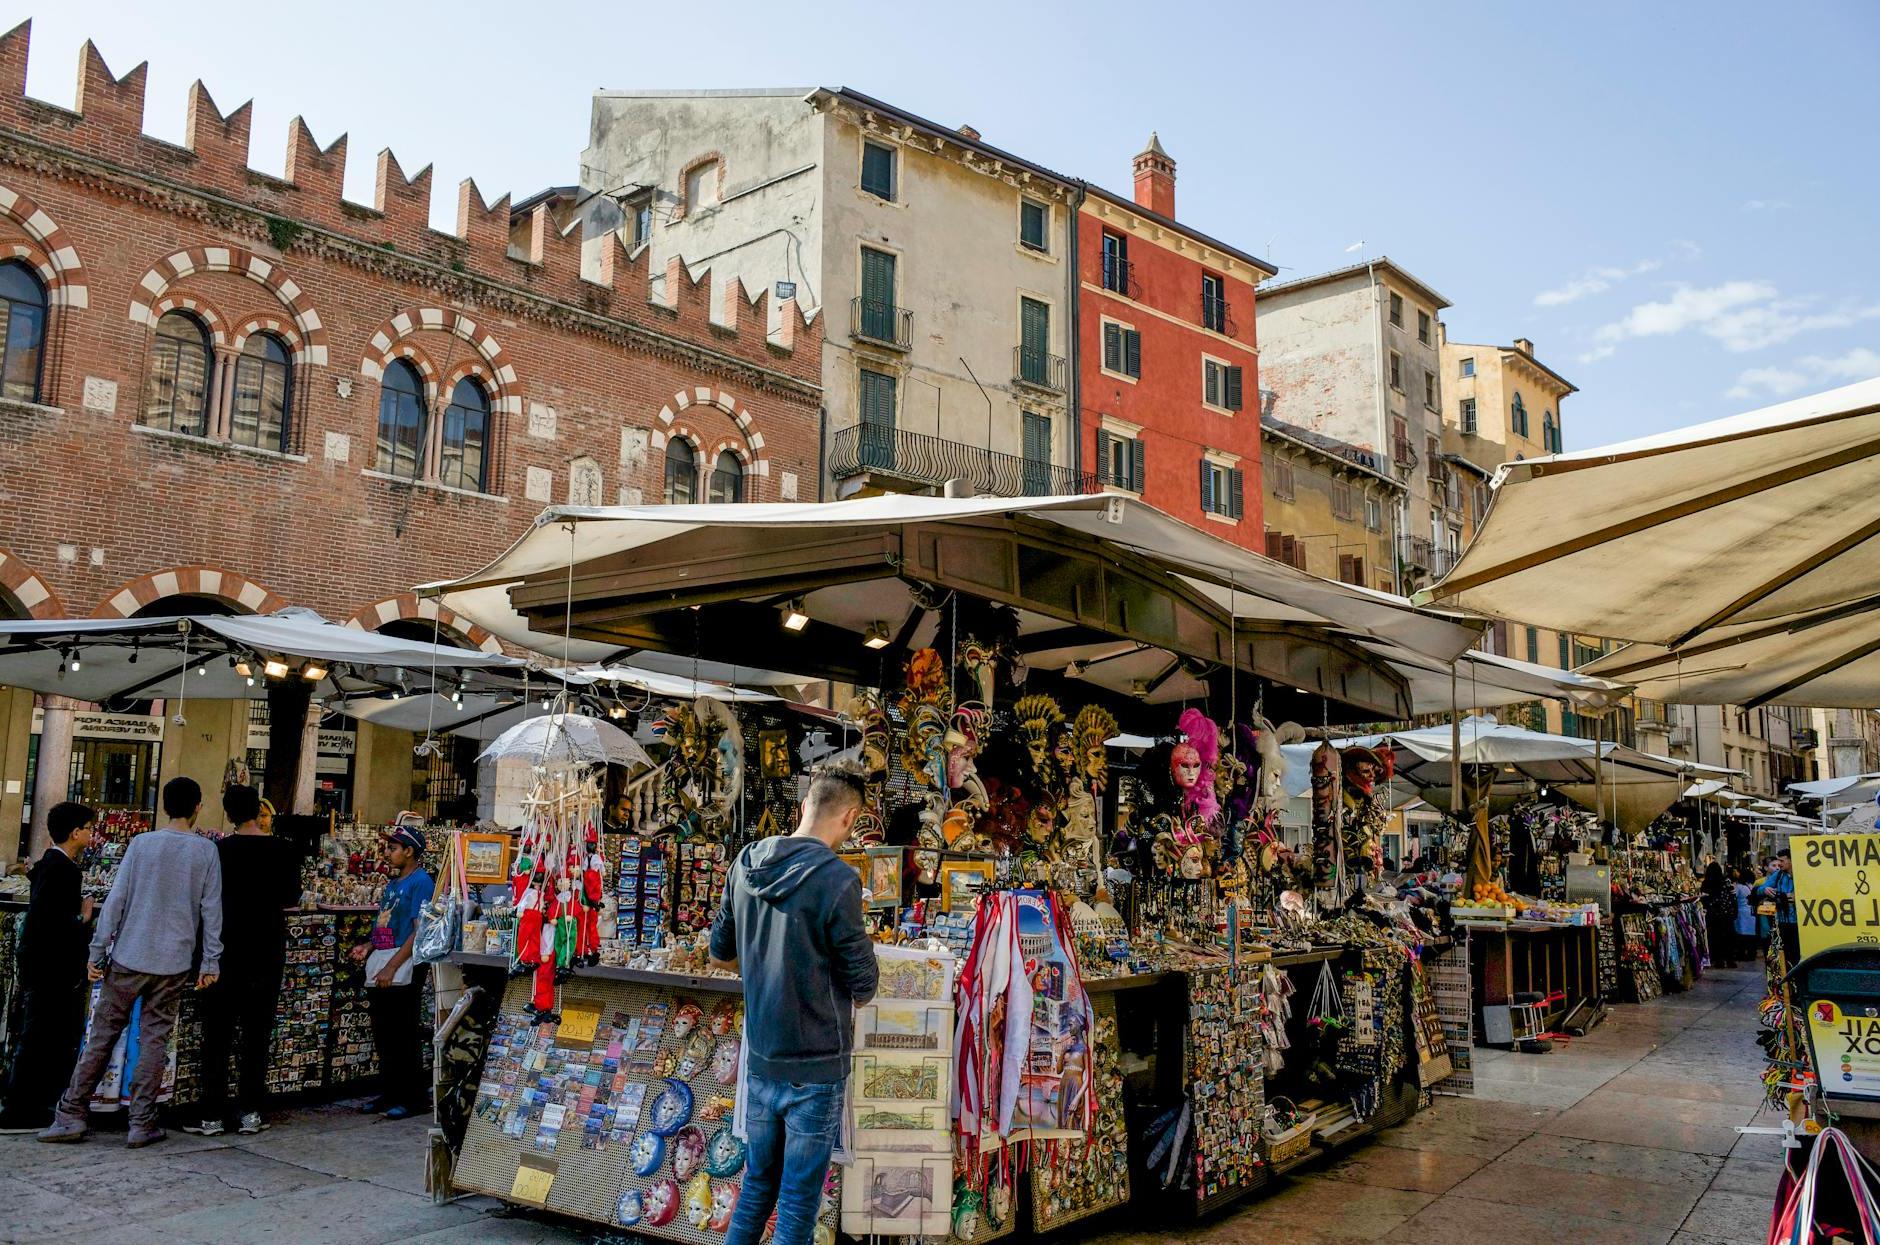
{"x":1213,"y":303}
{"x":1429,"y":389}
{"x":1550,"y":433}
{"x":263,"y":392}
{"x":1423,"y":327}
{"x":1034,"y":225}
{"x":1373,"y":515}
{"x":681,"y":472}
{"x":876,"y":398}
{"x":1342,"y":507}
{"x":1116,"y":263}
{"x":1396,"y":371}
{"x":642,"y":211}
{"x":1566,"y":651}
{"x":176,"y":396}
{"x":1396,"y":310}
{"x":1220,"y":384}
{"x":1119,"y":460}
{"x":701,"y":185}
{"x":727,"y":482}
{"x":1288,"y":549}
{"x":1467,"y":413}
{"x":878,"y":312}
{"x":401,"y":421}
{"x":1034,"y":342}
{"x":1518,"y":419}
{"x":1280,"y":480}
{"x":1533,"y":647}
{"x":1466,"y":368}
{"x":22,"y":331}
{"x":878,"y":170}
{"x":1037,"y":446}
{"x":466,"y":451}
{"x":1122,"y":350}
{"x":1220,"y":489}
{"x":1351,"y":569}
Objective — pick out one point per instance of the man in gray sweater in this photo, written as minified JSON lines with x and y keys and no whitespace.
{"x":167,"y":902}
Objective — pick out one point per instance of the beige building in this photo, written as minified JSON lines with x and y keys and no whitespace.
{"x":1846,"y":742}
{"x":1355,"y":354}
{"x":1327,"y":505}
{"x":941,"y":267}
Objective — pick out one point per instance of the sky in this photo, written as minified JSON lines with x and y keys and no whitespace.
{"x":1675,"y":202}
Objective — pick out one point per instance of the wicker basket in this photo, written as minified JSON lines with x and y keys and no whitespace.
{"x":1291,"y":1143}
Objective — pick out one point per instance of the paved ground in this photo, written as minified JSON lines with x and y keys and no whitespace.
{"x":1623,"y":1138}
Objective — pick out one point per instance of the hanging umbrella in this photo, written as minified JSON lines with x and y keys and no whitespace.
{"x":566,"y":739}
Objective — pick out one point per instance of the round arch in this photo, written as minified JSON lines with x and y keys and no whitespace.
{"x":406,"y":607}
{"x":242,"y":263}
{"x":386,"y":346}
{"x":238,"y":591}
{"x":66,"y":282}
{"x":23,"y":587}
{"x":705,"y":396}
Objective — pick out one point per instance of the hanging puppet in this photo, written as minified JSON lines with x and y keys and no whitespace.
{"x":1327,"y":850}
{"x":1365,"y":815}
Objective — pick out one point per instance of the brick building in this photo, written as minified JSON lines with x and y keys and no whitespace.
{"x":1168,"y":370}
{"x":227,"y":390}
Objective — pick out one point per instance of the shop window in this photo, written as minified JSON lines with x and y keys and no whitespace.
{"x":466,"y":450}
{"x":727,"y":481}
{"x":681,"y":472}
{"x":264,"y":391}
{"x":22,"y":331}
{"x":176,"y":394}
{"x":401,"y":421}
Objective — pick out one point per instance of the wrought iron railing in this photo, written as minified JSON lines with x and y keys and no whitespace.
{"x":1038,"y":368}
{"x":882,"y":323}
{"x":1119,"y":277}
{"x":1416,"y":551}
{"x":1216,"y":316}
{"x":935,"y":460}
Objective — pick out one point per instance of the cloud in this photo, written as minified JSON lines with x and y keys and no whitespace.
{"x":1808,"y":372}
{"x":1741,"y":315}
{"x":1766,"y":205}
{"x":1596,"y":281}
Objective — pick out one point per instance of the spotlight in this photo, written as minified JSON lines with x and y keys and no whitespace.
{"x":313,"y":672}
{"x":275,"y":669}
{"x":245,"y":670}
{"x":794,"y":619}
{"x":396,"y":693}
{"x":134,"y":646}
{"x":877,"y":635}
{"x":1075,"y":670}
{"x":202,"y":670}
{"x":71,"y":659}
{"x":250,"y":680}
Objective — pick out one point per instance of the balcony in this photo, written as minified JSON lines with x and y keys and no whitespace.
{"x":1119,"y":277}
{"x":917,"y":457}
{"x":884,"y":324}
{"x":1417,"y":553}
{"x":1217,"y":316}
{"x":1037,"y":368}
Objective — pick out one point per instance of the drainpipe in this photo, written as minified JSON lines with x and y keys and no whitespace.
{"x":1076,"y":334}
{"x":822,"y":448}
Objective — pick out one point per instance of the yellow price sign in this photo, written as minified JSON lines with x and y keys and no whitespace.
{"x":579,"y":1019}
{"x":1837,"y":890}
{"x":532,"y":1184}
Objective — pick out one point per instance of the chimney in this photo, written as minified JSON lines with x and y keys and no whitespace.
{"x":1155,"y":178}
{"x":968,"y":132}
{"x":1525,"y":346}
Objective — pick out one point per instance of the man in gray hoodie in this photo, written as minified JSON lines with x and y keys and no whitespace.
{"x":792,"y":924}
{"x":165,"y":904}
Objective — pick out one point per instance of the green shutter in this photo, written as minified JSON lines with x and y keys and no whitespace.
{"x":1135,"y":464}
{"x":1132,"y":352}
{"x":1233,"y":389}
{"x":878,"y":278}
{"x":1234,"y":491}
{"x":1207,"y":487}
{"x":1103,"y":458}
{"x":1210,"y":382}
{"x":1113,"y":347}
{"x":1566,"y":652}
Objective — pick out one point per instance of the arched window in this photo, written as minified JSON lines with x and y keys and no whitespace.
{"x":1550,"y":435}
{"x":681,"y":472}
{"x":264,"y":389}
{"x":466,"y":457}
{"x":727,"y":482}
{"x":1519,"y":417}
{"x":22,"y":331}
{"x":176,"y":396}
{"x":401,"y":421}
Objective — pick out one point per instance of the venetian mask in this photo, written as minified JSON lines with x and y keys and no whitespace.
{"x":688,"y":1151}
{"x":662,"y":1203}
{"x":724,"y":1203}
{"x":725,"y":1061}
{"x":686,"y":1019}
{"x":1184,"y":766}
{"x":724,"y":1019}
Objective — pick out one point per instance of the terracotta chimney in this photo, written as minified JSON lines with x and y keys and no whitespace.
{"x":1155,"y":178}
{"x":967,"y":131}
{"x":1525,"y":346}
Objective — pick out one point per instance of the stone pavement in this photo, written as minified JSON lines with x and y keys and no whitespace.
{"x":1624,"y":1137}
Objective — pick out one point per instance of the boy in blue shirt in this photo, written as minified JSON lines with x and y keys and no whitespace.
{"x":392,"y":982}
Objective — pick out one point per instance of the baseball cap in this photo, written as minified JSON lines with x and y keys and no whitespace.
{"x":410,"y":836}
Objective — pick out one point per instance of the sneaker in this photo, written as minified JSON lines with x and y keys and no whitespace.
{"x":141,"y":1137}
{"x":402,"y":1112}
{"x":207,"y":1128}
{"x":251,"y":1124}
{"x":64,"y":1132}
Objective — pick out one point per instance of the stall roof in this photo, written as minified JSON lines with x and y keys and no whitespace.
{"x":1748,"y":545}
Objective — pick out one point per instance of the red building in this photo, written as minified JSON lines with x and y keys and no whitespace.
{"x":1169,"y":377}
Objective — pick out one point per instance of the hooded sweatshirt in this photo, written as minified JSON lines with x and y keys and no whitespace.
{"x":792,"y":918}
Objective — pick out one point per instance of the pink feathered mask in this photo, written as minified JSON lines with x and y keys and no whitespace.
{"x":1206,"y":739}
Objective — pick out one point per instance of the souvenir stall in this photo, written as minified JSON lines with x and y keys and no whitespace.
{"x":1171,"y":938}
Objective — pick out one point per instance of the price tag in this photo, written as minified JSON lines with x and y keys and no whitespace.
{"x":579,"y":1019}
{"x":531,"y":1185}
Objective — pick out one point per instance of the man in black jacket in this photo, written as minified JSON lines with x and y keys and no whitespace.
{"x":792,"y":921}
{"x":53,"y":941}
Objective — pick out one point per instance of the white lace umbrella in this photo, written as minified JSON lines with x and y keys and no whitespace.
{"x":566,"y":739}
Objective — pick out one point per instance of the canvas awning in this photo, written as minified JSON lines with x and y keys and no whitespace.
{"x":1746,"y":550}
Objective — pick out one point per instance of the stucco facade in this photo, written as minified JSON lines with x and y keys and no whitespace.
{"x":1327,"y":505}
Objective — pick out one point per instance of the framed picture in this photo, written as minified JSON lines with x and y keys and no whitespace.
{"x":961,"y":881}
{"x":486,"y":857}
{"x":773,"y":753}
{"x":883,"y":879}
{"x":857,"y":861}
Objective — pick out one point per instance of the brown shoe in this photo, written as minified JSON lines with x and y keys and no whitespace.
{"x":141,"y":1137}
{"x":65,"y":1131}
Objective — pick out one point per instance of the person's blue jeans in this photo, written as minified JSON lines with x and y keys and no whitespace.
{"x":792,"y":1131}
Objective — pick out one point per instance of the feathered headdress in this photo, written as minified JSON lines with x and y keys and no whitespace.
{"x":1205,"y":738}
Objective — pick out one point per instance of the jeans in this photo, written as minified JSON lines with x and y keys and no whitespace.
{"x":395,"y":1038}
{"x":792,"y":1131}
{"x":51,"y":1032}
{"x":246,"y":996}
{"x":161,"y":995}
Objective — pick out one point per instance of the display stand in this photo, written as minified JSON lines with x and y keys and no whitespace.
{"x":1530,"y":957}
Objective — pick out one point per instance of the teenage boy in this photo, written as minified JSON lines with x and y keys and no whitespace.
{"x":167,"y":901}
{"x":52,"y":974}
{"x":792,"y":917}
{"x":392,"y":986}
{"x":260,"y":881}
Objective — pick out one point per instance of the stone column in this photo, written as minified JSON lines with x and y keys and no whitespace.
{"x":53,"y":778}
{"x":304,"y":774}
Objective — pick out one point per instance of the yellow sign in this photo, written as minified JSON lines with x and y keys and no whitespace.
{"x":531,"y":1185}
{"x":579,"y":1019}
{"x":1847,"y":1050}
{"x":1837,"y":890}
